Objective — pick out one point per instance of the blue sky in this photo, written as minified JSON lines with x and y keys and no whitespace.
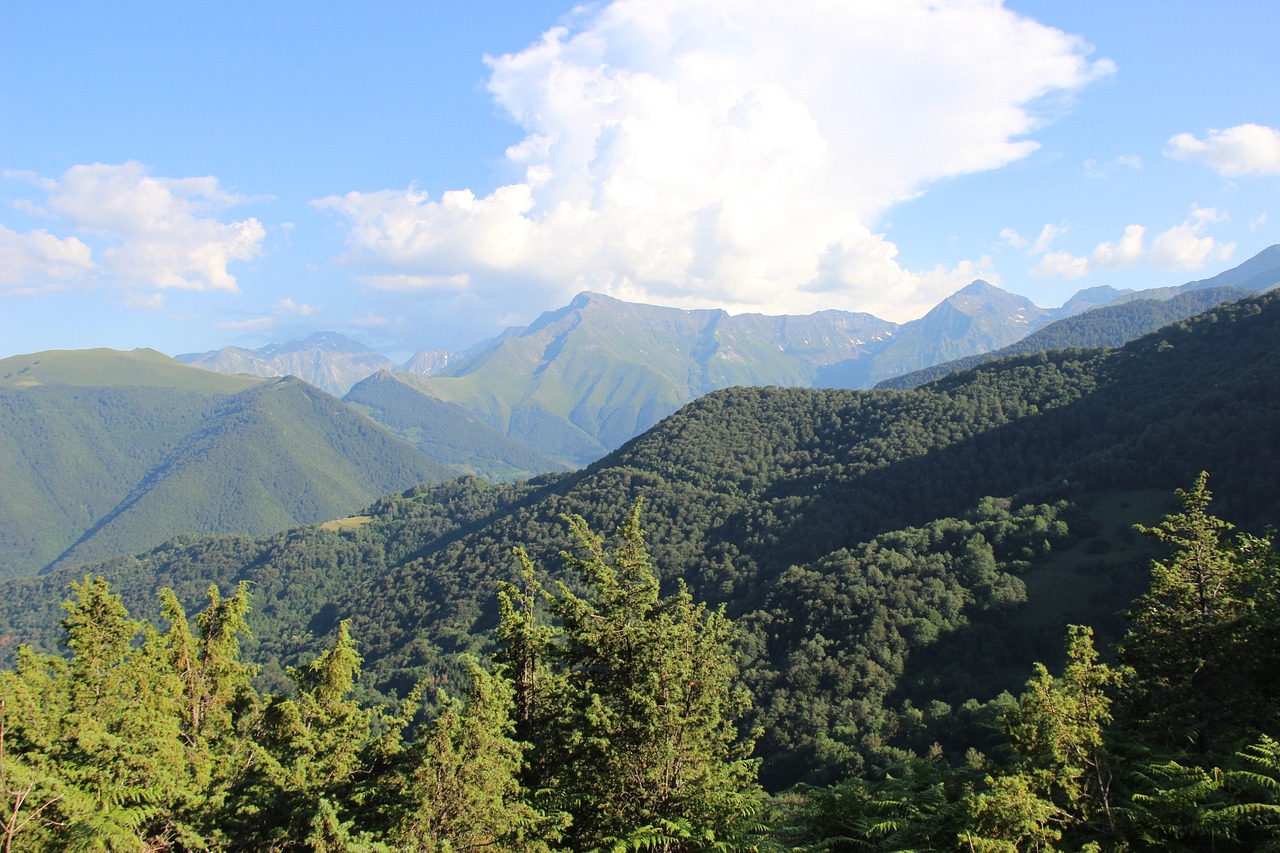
{"x":423,"y":174}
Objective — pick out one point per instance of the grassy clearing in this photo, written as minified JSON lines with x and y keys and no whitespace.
{"x":350,"y":523}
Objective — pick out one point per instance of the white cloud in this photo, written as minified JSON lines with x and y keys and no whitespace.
{"x":288,"y":306}
{"x":1182,"y":247}
{"x":1013,"y":238}
{"x":1061,"y":265}
{"x":1094,"y":169}
{"x":1047,"y":235}
{"x":255,"y":324}
{"x":1125,"y":252}
{"x":152,"y":232}
{"x":37,"y":261}
{"x":403,"y":283}
{"x":1187,"y":247}
{"x":1246,"y":149}
{"x":369,"y":320}
{"x":728,"y":152}
{"x":148,"y":301}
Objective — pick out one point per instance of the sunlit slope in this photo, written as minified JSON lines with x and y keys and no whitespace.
{"x":586,"y":378}
{"x":157,"y":448}
{"x":114,"y":368}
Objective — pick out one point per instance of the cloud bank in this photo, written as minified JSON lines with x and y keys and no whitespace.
{"x":146,"y":232}
{"x":737,"y":153}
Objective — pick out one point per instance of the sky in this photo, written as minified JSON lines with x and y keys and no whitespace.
{"x":422,"y":175}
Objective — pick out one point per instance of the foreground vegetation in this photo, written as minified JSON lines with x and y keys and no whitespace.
{"x":611,"y":727}
{"x":608,"y":720}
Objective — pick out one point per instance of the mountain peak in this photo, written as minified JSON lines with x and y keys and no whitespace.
{"x":979,"y":287}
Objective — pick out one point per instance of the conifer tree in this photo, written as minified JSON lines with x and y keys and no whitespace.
{"x":1203,"y":656}
{"x":464,"y":793}
{"x":631,"y":704}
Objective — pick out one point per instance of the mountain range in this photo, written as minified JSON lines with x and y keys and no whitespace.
{"x":880,"y":550}
{"x":581,"y":380}
{"x":105,"y":452}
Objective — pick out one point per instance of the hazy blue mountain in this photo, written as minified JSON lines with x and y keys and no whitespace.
{"x":428,"y":362}
{"x":327,"y":360}
{"x":977,"y":318}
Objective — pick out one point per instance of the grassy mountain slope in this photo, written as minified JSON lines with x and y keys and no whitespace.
{"x":849,"y":533}
{"x":102,"y":451}
{"x":1108,"y":326}
{"x":586,"y":378}
{"x":280,"y":454}
{"x":113,"y":368}
{"x":444,"y":431}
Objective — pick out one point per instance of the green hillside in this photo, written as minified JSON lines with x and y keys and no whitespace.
{"x":586,"y":378}
{"x":445,"y":432}
{"x":280,"y":454}
{"x":874,"y":547}
{"x":96,"y":368}
{"x":103,"y":452}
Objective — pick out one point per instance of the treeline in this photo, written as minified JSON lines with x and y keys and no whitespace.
{"x":611,"y":719}
{"x":607,"y":723}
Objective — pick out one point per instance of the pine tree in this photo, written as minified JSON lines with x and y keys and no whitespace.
{"x":464,"y":793}
{"x":631,"y":705}
{"x":1203,"y":657}
{"x":1061,"y":782}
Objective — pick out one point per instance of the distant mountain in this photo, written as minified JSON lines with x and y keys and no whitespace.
{"x":976,"y":318}
{"x":327,"y":360}
{"x":104,"y":452}
{"x":445,"y":431}
{"x":429,"y":362}
{"x":1108,"y":326}
{"x":584,"y":379}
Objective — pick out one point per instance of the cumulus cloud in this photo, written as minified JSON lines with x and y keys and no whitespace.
{"x":149,"y":232}
{"x":1124,"y":252}
{"x":1246,"y":149}
{"x":1181,"y":247}
{"x":727,"y":152}
{"x":1187,"y":247}
{"x":369,"y":320}
{"x":288,"y":306}
{"x":37,"y":260}
{"x":254,"y":324}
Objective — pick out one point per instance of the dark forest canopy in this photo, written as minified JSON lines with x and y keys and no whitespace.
{"x":608,"y":721}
